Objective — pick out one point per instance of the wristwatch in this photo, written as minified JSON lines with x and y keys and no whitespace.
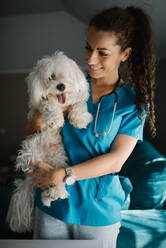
{"x":69,"y":178}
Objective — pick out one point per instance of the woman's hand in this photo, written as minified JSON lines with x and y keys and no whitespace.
{"x":45,"y":175}
{"x":65,"y":110}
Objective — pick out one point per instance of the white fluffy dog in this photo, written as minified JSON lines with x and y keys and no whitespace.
{"x":55,"y":82}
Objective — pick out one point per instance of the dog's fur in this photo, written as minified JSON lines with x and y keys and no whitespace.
{"x":55,"y":82}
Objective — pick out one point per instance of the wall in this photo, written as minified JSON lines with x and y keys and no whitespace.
{"x":24,"y":39}
{"x":13,"y":109}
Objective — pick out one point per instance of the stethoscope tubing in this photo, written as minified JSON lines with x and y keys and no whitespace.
{"x":113,"y":114}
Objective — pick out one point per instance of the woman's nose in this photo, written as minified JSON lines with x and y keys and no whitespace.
{"x":92,"y":58}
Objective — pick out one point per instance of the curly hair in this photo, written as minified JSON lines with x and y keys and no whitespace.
{"x":132,"y":27}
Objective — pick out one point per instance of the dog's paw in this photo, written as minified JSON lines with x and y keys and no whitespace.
{"x":54,"y":193}
{"x":46,"y":198}
{"x":49,"y":195}
{"x":61,"y":191}
{"x":46,"y":201}
{"x":64,"y":195}
{"x":82,"y":120}
{"x":53,"y":123}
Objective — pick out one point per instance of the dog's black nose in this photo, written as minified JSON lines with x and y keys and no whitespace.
{"x":61,"y":87}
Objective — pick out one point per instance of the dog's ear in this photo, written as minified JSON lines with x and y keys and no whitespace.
{"x":81,"y":83}
{"x":35,"y":91}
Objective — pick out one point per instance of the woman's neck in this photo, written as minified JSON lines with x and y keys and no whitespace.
{"x":101,"y":89}
{"x":106,"y":82}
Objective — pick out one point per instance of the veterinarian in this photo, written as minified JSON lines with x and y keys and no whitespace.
{"x":117,"y":39}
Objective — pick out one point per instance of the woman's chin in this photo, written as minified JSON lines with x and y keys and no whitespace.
{"x":95,"y":74}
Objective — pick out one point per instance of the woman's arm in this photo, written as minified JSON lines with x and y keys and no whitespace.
{"x":34,"y":125}
{"x":111,"y":162}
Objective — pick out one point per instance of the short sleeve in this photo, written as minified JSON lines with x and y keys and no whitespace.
{"x":132,"y":125}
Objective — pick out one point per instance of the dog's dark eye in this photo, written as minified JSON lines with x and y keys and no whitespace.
{"x":52,"y":76}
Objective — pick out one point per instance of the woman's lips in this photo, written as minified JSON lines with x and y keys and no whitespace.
{"x":95,"y":68}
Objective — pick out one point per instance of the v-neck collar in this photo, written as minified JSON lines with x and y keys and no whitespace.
{"x":103,"y":97}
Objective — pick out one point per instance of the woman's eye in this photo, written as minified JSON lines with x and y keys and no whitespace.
{"x":103,"y":54}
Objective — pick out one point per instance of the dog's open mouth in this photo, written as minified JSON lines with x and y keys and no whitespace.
{"x":62,"y":98}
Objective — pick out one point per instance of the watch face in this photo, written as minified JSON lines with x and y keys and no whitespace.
{"x":70,"y":180}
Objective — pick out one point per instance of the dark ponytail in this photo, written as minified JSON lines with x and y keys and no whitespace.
{"x":141,"y":64}
{"x":133,"y":29}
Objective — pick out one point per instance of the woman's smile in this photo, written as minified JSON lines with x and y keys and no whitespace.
{"x":95,"y":69}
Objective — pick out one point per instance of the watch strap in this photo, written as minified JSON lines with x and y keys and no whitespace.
{"x":69,"y":174}
{"x":68,"y":171}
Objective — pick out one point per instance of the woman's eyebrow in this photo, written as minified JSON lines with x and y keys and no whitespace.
{"x":99,"y":48}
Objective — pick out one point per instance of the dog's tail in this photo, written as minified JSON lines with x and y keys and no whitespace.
{"x":21,"y":208}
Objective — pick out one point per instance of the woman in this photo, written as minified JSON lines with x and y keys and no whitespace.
{"x":115,"y":37}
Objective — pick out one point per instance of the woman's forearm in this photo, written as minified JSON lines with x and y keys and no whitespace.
{"x":99,"y":166}
{"x":111,"y":162}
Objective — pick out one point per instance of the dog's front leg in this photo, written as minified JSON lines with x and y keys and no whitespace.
{"x":52,"y":114}
{"x":79,"y":115}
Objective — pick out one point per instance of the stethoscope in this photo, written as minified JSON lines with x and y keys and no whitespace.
{"x":113,"y":113}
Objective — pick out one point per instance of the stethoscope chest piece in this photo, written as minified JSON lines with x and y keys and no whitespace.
{"x":102,"y":134}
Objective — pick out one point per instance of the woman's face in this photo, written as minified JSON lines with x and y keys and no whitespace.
{"x":102,"y":54}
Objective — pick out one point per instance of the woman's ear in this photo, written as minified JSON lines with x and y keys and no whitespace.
{"x":125,"y":54}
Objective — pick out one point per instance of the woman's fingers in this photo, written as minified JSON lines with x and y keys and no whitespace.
{"x":37,"y":179}
{"x":45,"y":175}
{"x":65,"y":110}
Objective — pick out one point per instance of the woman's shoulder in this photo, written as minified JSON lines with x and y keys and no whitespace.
{"x":127,"y":97}
{"x":127,"y":92}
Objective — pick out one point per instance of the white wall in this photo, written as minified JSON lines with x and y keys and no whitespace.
{"x":25,"y":39}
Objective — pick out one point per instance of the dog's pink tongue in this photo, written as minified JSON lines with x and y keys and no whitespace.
{"x":62,"y":98}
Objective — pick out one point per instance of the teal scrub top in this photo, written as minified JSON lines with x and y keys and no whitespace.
{"x":96,"y":201}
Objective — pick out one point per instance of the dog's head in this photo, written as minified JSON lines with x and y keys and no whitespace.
{"x":57,"y":76}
